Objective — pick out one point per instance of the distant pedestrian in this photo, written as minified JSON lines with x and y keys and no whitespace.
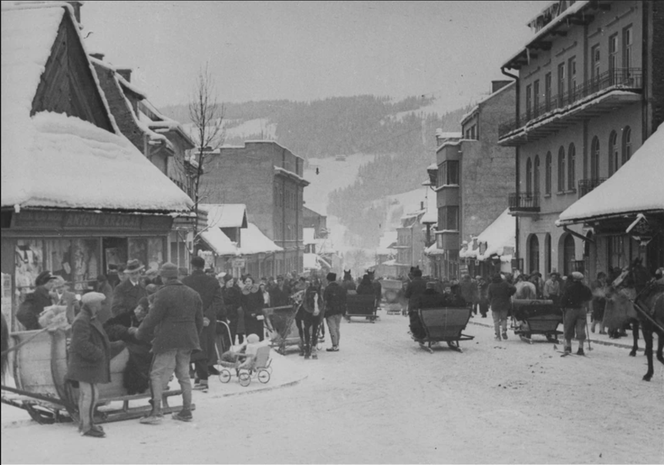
{"x":482,"y":289}
{"x":89,"y":362}
{"x":174,"y":323}
{"x":335,"y":308}
{"x":127,"y":294}
{"x":312,"y":306}
{"x":599,"y":289}
{"x":210,"y":292}
{"x":499,"y":294}
{"x":573,"y":302}
{"x":415,"y":287}
{"x":252,"y":304}
{"x":552,"y":288}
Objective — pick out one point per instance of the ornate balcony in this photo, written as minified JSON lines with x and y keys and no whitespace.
{"x":599,"y":95}
{"x":586,"y":185}
{"x":524,"y":202}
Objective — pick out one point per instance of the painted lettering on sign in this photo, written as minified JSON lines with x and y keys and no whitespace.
{"x":83,"y":220}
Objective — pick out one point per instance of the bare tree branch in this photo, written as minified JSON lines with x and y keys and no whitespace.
{"x":207,"y":115}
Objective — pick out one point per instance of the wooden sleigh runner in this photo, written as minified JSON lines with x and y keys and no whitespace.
{"x":444,"y":325}
{"x":39,"y":366}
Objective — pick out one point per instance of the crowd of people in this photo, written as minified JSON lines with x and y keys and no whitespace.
{"x":170,"y":320}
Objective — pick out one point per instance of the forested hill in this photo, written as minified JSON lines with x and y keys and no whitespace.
{"x":400,"y":133}
{"x":337,"y":125}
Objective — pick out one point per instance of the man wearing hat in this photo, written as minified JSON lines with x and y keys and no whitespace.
{"x":34,"y":303}
{"x":89,"y":362}
{"x":573,"y":302}
{"x":127,"y":294}
{"x":335,"y":307}
{"x":213,"y":304}
{"x":173,"y":324}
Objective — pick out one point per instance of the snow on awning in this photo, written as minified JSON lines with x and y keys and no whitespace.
{"x":253,"y":241}
{"x":226,"y":215}
{"x":219,"y":242}
{"x":636,"y":187}
{"x":498,"y":236}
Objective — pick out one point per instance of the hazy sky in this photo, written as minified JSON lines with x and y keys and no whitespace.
{"x":310,"y":50}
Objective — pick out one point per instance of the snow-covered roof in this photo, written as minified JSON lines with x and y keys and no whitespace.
{"x":253,"y":241}
{"x":54,"y":160}
{"x":498,"y":236}
{"x":219,"y":242}
{"x":546,"y":29}
{"x":432,"y":166}
{"x":484,"y":99}
{"x":226,"y":215}
{"x":279,"y":169}
{"x":636,"y":187}
{"x":447,"y":135}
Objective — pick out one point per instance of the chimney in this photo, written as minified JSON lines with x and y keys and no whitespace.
{"x":76,"y":6}
{"x":98,"y":56}
{"x":497,"y":85}
{"x":126,"y":73}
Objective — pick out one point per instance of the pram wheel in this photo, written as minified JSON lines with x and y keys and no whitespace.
{"x":263,"y":376}
{"x":224,"y":376}
{"x":245,"y":378}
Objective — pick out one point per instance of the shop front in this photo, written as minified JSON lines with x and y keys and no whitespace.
{"x":79,"y":246}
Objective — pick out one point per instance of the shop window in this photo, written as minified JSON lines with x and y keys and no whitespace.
{"x":29,"y":262}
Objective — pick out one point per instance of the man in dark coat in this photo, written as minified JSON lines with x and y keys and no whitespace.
{"x":213,"y":304}
{"x":279,"y":293}
{"x":573,"y":302}
{"x":499,"y":294}
{"x":34,"y":303}
{"x":365,"y":287}
{"x":127,"y":294}
{"x":335,"y":308}
{"x":415,"y":288}
{"x":89,"y":361}
{"x":174,"y":323}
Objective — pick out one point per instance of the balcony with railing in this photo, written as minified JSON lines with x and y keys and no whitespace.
{"x":586,"y":185}
{"x":524,"y":202}
{"x":601,"y":94}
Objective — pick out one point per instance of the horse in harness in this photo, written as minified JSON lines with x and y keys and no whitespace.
{"x":648,"y":305}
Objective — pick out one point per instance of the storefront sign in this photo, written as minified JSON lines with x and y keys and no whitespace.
{"x":95,"y":221}
{"x":239,"y":263}
{"x":47,"y":220}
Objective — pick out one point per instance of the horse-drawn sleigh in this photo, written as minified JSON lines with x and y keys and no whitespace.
{"x":443,"y":324}
{"x":536,"y":317}
{"x":361,"y":305}
{"x":38,"y":363}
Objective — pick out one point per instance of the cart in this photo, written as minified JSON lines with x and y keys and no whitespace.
{"x":392,"y":296}
{"x":281,"y":327}
{"x":536,"y":317}
{"x":444,"y":325}
{"x":38,"y":361}
{"x":361,"y":305}
{"x":261,"y":369}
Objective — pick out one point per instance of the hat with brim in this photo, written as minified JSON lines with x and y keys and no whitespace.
{"x":331,"y":277}
{"x":92,"y":298}
{"x":43,"y":277}
{"x":133,"y":266}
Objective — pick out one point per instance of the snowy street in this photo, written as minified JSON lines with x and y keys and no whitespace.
{"x":383,"y":399}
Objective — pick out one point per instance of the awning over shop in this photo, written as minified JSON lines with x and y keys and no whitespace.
{"x":226,"y":215}
{"x":497,"y":239}
{"x":219,"y":242}
{"x":253,"y":241}
{"x":637,"y":187}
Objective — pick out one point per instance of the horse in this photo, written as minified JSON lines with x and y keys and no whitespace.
{"x":525,"y":290}
{"x":348,"y":283}
{"x":649,"y":306}
{"x":4,"y":343}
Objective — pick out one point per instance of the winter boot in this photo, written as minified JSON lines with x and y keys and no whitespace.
{"x":301,"y":345}
{"x":307,"y":352}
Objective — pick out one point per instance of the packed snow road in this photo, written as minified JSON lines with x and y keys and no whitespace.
{"x":383,"y":399}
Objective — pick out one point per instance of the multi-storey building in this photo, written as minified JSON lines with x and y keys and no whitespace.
{"x":267,"y":178}
{"x":589,"y":93}
{"x":473,"y":175}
